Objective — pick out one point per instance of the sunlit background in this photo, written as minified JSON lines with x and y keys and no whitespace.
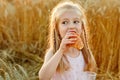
{"x":24,"y":34}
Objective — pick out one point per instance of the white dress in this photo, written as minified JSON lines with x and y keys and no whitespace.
{"x":76,"y":71}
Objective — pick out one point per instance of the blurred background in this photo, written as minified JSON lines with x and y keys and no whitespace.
{"x":24,"y":34}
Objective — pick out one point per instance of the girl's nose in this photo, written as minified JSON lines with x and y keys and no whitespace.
{"x":71,"y":25}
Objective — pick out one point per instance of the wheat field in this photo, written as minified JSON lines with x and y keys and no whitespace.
{"x":24,"y":33}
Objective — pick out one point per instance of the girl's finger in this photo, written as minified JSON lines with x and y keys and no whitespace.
{"x":73,"y":39}
{"x":70,"y":36}
{"x":69,"y":42}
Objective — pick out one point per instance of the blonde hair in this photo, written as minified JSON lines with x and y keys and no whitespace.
{"x":55,"y":38}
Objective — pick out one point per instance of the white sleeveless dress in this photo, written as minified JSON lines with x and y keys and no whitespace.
{"x":76,"y":72}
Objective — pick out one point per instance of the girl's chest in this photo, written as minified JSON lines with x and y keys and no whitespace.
{"x":77,"y":64}
{"x":77,"y":68}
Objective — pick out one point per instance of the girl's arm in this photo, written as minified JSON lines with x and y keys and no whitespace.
{"x":50,"y":64}
{"x":51,"y":61}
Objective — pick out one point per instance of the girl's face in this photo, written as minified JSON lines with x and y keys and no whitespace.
{"x":69,"y":21}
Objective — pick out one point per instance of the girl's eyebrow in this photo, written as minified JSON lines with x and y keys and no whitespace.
{"x":77,"y":18}
{"x":73,"y":18}
{"x":64,"y":19}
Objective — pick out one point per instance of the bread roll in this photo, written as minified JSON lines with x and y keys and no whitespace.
{"x":79,"y":43}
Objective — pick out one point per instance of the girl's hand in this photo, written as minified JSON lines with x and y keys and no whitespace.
{"x":69,"y":39}
{"x":79,"y":43}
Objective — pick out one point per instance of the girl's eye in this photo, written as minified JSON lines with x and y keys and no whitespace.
{"x":76,"y":22}
{"x":65,"y":22}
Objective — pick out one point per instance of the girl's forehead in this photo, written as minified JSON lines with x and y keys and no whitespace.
{"x":70,"y":14}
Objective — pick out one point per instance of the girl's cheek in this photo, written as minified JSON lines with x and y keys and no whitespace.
{"x":79,"y":30}
{"x":63,"y":33}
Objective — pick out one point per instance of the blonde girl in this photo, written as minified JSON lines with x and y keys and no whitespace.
{"x":69,"y":56}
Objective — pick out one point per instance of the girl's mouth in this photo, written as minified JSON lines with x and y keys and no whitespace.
{"x":74,"y":31}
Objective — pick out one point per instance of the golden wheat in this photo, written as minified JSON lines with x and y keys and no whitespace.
{"x":24,"y":31}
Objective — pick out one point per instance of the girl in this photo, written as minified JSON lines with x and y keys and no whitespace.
{"x":69,"y":57}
